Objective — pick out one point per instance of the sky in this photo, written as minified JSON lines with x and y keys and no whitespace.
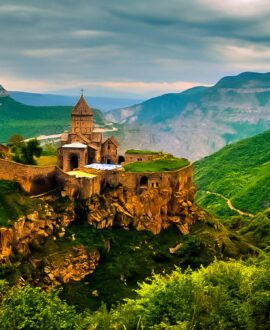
{"x":130,"y":48}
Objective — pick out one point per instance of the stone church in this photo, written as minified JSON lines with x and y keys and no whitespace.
{"x":83,"y":146}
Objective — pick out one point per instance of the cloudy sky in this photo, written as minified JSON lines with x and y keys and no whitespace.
{"x":130,"y":48}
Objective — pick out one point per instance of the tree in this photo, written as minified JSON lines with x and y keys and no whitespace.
{"x":25,"y":152}
{"x":30,"y":308}
{"x":16,"y":140}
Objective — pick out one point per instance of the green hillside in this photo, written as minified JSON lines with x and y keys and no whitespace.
{"x":241,"y":172}
{"x":32,"y":121}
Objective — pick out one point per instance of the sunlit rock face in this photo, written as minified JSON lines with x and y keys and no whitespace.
{"x":35,"y":227}
{"x":63,"y":266}
{"x":151,"y":210}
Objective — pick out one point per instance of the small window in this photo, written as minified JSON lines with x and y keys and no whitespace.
{"x":157,"y":184}
{"x":152,"y":184}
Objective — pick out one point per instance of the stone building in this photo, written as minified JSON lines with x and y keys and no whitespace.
{"x":82,"y":145}
{"x":132,"y":156}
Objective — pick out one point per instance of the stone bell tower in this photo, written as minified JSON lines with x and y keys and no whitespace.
{"x":82,"y":118}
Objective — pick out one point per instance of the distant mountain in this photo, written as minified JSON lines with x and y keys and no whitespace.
{"x":102,"y":103}
{"x":30,"y":121}
{"x":3,"y":92}
{"x":201,"y":120}
{"x":240,"y":172}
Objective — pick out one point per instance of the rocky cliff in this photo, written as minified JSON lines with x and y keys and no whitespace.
{"x":34,"y":227}
{"x":61,"y":266}
{"x":151,"y":210}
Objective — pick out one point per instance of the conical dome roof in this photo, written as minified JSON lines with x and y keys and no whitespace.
{"x":82,"y":108}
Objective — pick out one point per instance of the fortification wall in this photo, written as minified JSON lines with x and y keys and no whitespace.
{"x":131,"y":158}
{"x":176,"y":180}
{"x":77,"y":187}
{"x":34,"y":180}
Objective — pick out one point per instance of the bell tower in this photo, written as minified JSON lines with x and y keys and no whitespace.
{"x":82,"y":118}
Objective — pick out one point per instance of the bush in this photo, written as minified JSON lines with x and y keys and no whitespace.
{"x":30,"y":308}
{"x":225,"y":295}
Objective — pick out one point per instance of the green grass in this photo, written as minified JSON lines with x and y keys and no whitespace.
{"x":143,"y":152}
{"x":160,"y":165}
{"x":214,"y":204}
{"x":240,"y":171}
{"x":30,"y":121}
{"x":46,"y":161}
{"x":14,"y":203}
{"x":135,"y":255}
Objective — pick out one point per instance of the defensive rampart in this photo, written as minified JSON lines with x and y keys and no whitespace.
{"x":33,"y":179}
{"x":177,"y":180}
{"x":36,"y":180}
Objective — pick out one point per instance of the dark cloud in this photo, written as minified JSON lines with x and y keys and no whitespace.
{"x":69,"y":42}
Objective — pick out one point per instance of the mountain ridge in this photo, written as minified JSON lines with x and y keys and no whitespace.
{"x":47,"y":99}
{"x":199,"y":121}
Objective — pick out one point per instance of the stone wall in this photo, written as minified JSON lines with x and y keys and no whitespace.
{"x":34,"y":180}
{"x":131,"y":158}
{"x":177,"y":180}
{"x":147,"y":207}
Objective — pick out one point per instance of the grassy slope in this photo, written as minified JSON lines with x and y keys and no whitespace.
{"x":135,"y":255}
{"x":160,"y":165}
{"x":32,"y":121}
{"x":132,"y":255}
{"x":240,"y":171}
{"x":14,"y":203}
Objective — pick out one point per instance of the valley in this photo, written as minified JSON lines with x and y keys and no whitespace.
{"x":144,"y":247}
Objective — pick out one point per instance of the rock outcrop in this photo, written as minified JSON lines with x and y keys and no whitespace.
{"x":35,"y":227}
{"x":151,"y":210}
{"x":63,"y":266}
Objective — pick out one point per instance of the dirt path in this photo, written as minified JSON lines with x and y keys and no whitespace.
{"x":230,"y":204}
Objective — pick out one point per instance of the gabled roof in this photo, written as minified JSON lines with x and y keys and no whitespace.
{"x":96,"y":137}
{"x":82,"y":108}
{"x":113,"y":140}
{"x":82,"y":137}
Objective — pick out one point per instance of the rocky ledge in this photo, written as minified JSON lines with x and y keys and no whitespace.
{"x":63,"y":266}
{"x":151,"y":210}
{"x":35,"y":227}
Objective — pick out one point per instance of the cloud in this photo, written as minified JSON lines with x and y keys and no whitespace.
{"x":237,"y":7}
{"x":90,"y":33}
{"x":5,"y":9}
{"x":43,"y":52}
{"x":130,"y":87}
{"x":149,"y":46}
{"x":140,"y":86}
